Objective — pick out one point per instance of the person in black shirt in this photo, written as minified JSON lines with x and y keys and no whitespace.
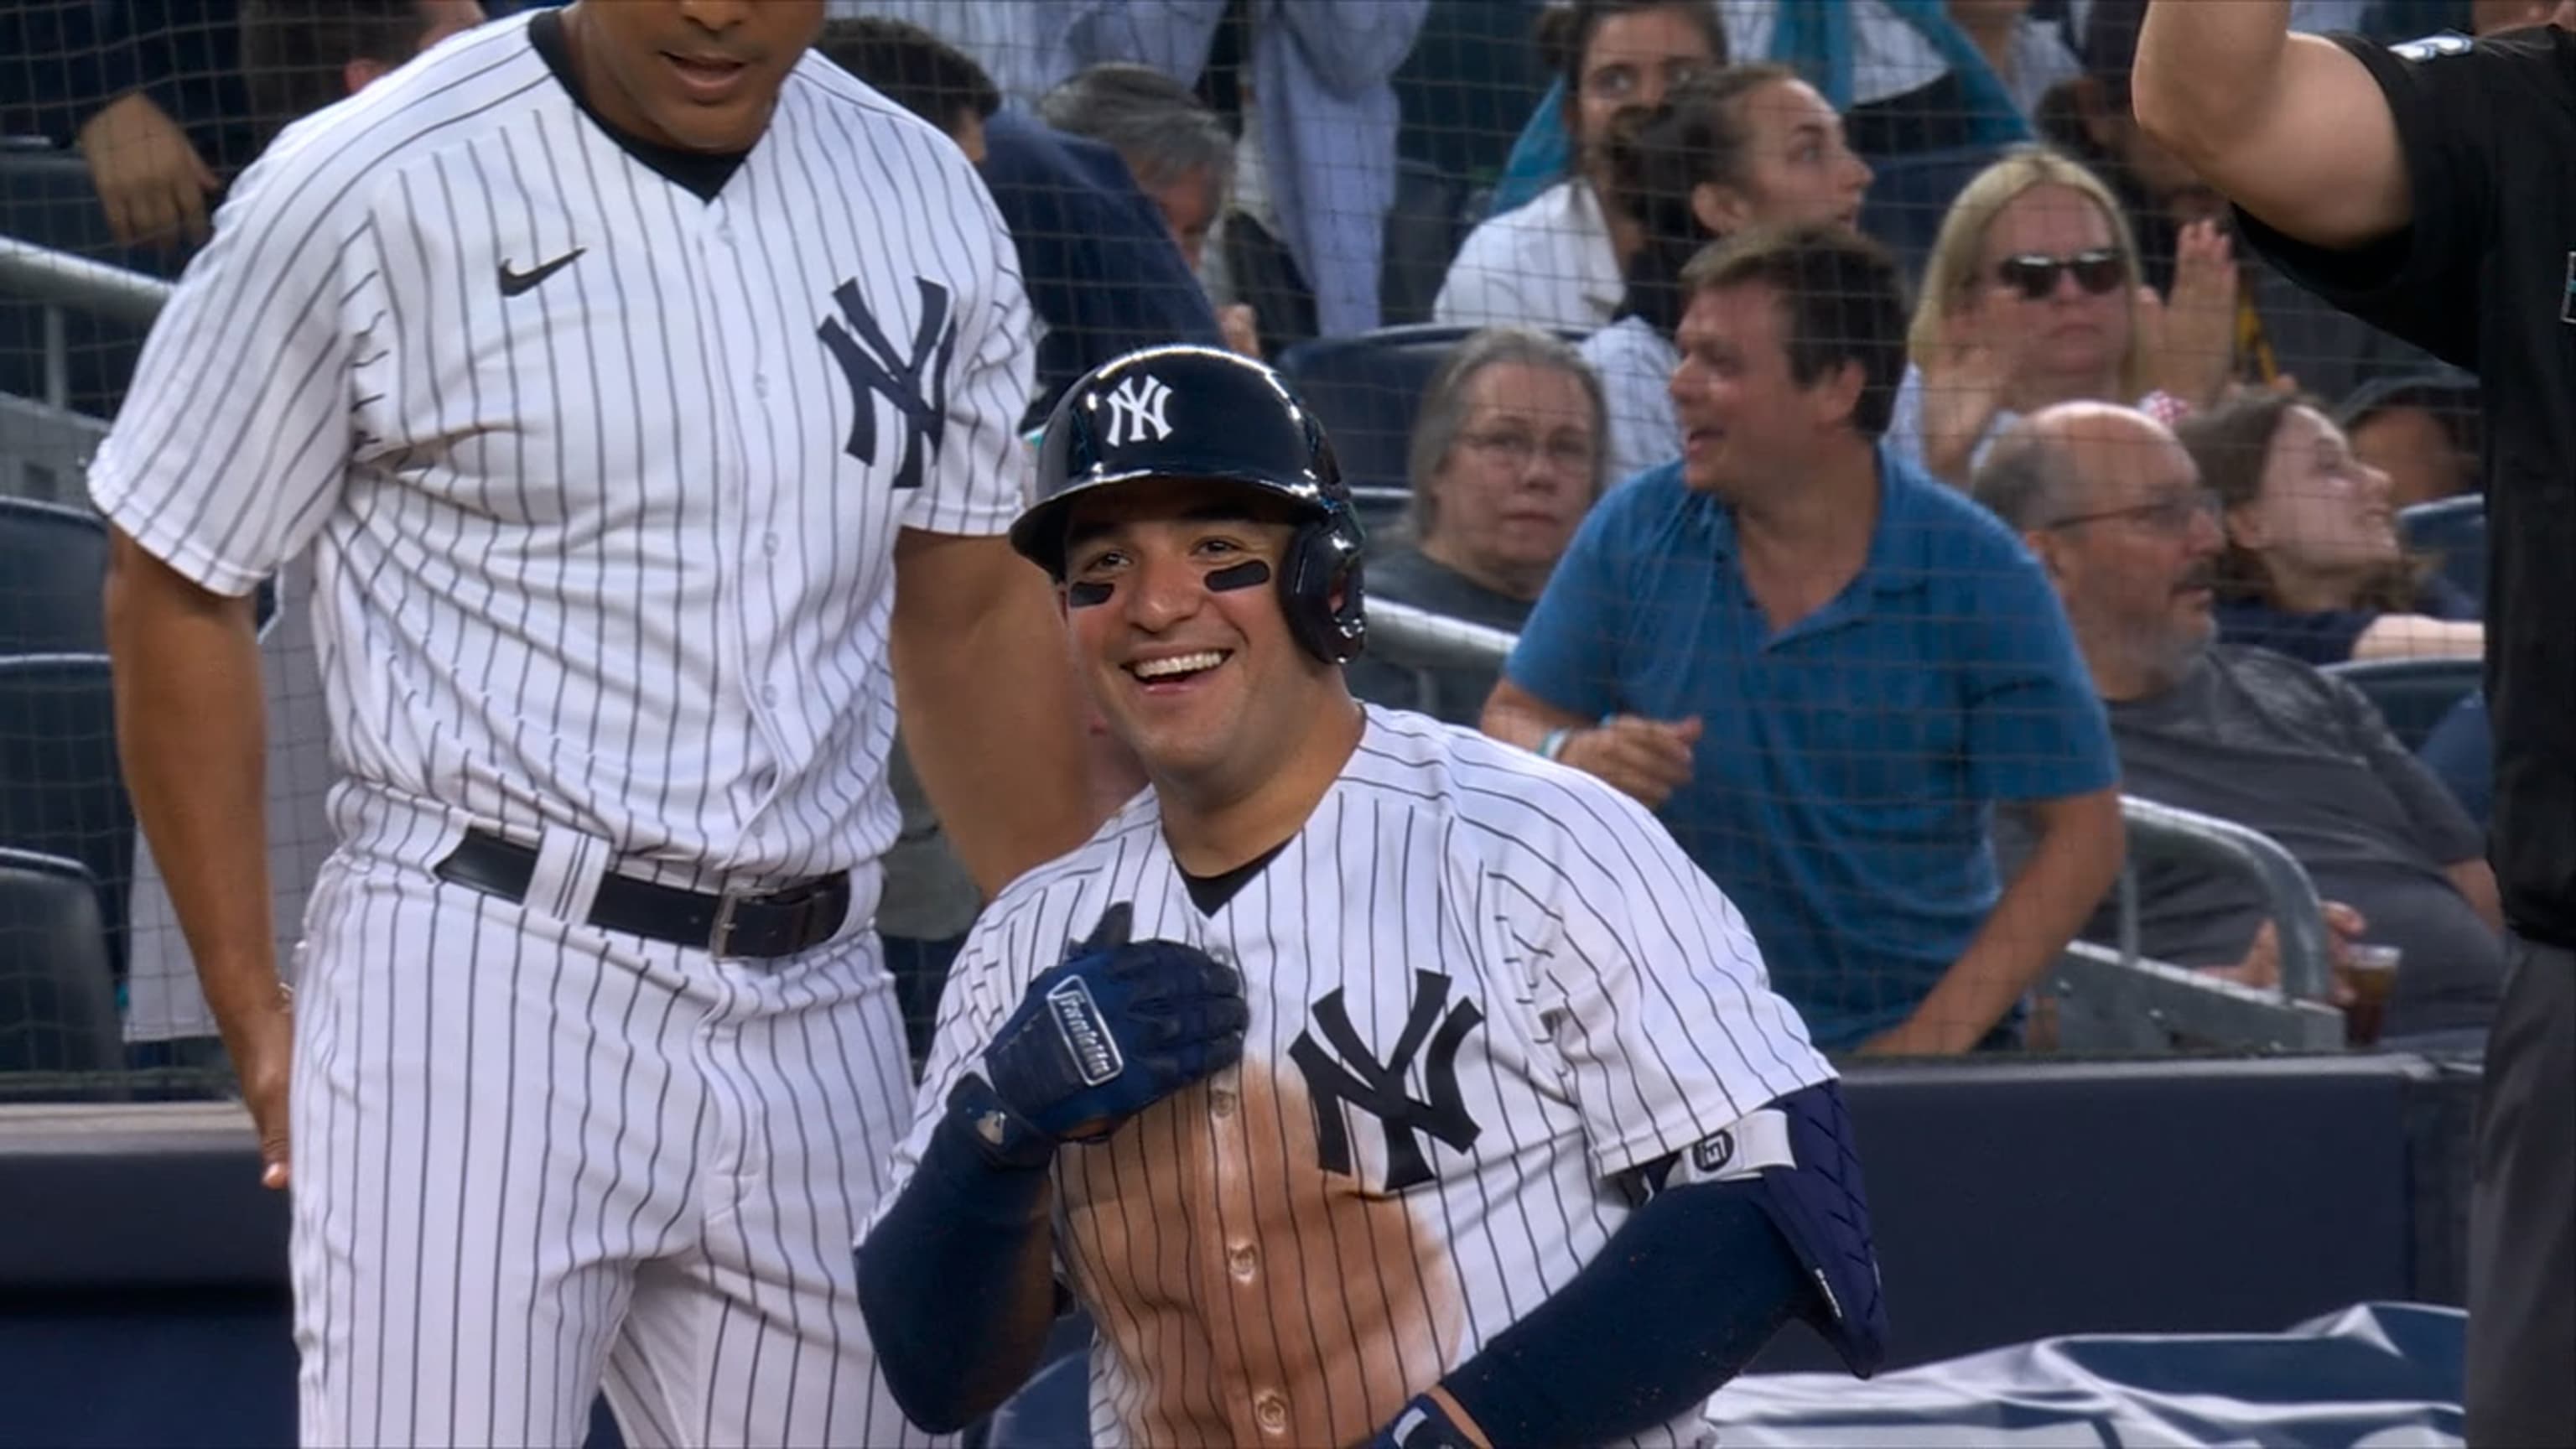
{"x":2423,"y":188}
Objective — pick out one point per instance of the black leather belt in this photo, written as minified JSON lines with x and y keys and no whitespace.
{"x":762,"y":927}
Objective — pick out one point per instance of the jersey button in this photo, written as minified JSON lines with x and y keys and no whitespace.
{"x":769,"y":544}
{"x":1221,"y":1102}
{"x":1241,"y":1261}
{"x":769,"y":694}
{"x":760,"y":384}
{"x":1270,"y":1412}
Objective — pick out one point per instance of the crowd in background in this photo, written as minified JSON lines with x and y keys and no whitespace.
{"x":2073,"y":341}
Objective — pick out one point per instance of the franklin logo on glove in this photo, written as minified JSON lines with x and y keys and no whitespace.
{"x":1096,"y":1058}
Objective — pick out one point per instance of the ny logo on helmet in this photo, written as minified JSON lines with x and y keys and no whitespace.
{"x":1136,"y":407}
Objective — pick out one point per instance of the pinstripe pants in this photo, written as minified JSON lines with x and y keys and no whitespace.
{"x":534,"y":1159}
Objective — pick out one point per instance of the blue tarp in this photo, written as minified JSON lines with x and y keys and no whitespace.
{"x":2385,"y":1376}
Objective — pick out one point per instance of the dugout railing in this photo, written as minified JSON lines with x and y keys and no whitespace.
{"x":2104,"y":1000}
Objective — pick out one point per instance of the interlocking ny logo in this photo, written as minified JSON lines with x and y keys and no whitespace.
{"x":1362,"y":1082}
{"x":1135,"y":407}
{"x":917,"y":383}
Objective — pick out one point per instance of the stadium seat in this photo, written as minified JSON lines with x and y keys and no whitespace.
{"x":1913,"y":193}
{"x":53,"y":563}
{"x":2456,"y":530}
{"x":1423,"y":230}
{"x":1366,"y":389}
{"x":57,"y":989}
{"x":2412,"y":694}
{"x":61,"y":791}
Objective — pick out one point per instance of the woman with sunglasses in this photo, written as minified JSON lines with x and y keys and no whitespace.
{"x":1558,"y":261}
{"x":2313,"y":567}
{"x":2033,"y":296}
{"x":1752,"y":145}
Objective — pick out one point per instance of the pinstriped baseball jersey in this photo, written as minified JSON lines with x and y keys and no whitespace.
{"x":1481,"y":986}
{"x":605,"y":479}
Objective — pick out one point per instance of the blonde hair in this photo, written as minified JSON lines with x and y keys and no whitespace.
{"x":1956,"y":265}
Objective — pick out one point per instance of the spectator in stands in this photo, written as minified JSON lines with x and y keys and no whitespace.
{"x":1103,"y":273}
{"x":2313,"y":567}
{"x":2116,"y":511}
{"x":2461,"y":754}
{"x":2421,"y":429}
{"x":1560,"y":261}
{"x":1823,"y":669}
{"x":1506,"y":460}
{"x":2032,"y":296}
{"x":2278,"y":335}
{"x":298,"y":56}
{"x":1175,"y":148}
{"x":1751,"y":145}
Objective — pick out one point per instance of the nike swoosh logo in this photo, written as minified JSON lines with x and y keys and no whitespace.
{"x":515,"y":282}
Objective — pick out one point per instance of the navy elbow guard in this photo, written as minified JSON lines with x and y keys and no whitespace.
{"x":1800,"y":1151}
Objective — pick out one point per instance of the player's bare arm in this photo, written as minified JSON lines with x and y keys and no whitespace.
{"x":988,"y":703}
{"x":2289,"y":126}
{"x":190,"y":735}
{"x":2079,"y":846}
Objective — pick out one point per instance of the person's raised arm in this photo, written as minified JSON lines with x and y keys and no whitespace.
{"x":2290,"y":127}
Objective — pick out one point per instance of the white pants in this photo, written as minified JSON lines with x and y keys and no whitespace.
{"x":533,"y":1159}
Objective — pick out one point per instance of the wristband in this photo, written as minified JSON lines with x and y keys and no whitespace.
{"x":1553,"y":744}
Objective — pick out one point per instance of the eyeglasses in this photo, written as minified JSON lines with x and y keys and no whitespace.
{"x":2174,"y":513}
{"x":2035,"y":275}
{"x":1516,"y":449}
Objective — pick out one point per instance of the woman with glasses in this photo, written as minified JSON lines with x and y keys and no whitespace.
{"x":1559,"y":261}
{"x":2313,"y":567}
{"x":1505,"y":461}
{"x":1752,"y":145}
{"x":2033,"y":295}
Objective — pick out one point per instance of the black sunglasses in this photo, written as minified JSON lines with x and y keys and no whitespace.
{"x":2035,"y":276}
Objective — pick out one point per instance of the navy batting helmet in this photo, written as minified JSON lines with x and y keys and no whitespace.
{"x":1214,"y":417}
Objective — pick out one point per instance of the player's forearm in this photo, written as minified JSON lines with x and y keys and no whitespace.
{"x":191,"y":738}
{"x":994,"y":729}
{"x":957,"y":1283}
{"x":2071,"y":866}
{"x":1680,"y":1299}
{"x":2205,"y":67}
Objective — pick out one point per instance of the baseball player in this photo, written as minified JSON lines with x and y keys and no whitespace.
{"x":1366,"y":1079}
{"x":644,"y":445}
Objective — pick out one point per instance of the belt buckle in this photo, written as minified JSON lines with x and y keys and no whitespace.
{"x":720,"y":936}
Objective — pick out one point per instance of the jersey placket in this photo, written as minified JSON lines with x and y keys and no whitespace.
{"x":1231,"y":1287}
{"x":754,"y":536}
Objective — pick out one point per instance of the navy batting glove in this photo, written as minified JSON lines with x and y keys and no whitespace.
{"x":1425,"y":1424}
{"x":1113,"y":1030}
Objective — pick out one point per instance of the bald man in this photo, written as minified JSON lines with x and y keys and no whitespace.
{"x":2115,"y":510}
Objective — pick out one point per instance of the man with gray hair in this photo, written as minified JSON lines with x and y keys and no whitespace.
{"x":1507,"y":456}
{"x":2115,"y":510}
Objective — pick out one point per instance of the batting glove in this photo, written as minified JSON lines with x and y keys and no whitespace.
{"x":1113,"y":1030}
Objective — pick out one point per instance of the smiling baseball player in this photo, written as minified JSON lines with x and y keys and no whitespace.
{"x":1365,"y":1077}
{"x":644,"y":389}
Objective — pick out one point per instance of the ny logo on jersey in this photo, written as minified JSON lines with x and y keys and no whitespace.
{"x":916,"y":383}
{"x":1359,"y":1081}
{"x":1136,"y":408}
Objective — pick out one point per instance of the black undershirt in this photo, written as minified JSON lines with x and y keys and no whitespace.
{"x":703,"y":173}
{"x":1210,"y":892}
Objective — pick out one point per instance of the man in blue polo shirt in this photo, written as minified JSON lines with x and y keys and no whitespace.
{"x":1823,"y":669}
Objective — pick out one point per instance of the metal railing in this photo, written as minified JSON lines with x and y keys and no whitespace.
{"x":62,"y":281}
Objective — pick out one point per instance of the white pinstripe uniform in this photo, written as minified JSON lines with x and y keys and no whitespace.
{"x":603,"y":564}
{"x":1481,"y":986}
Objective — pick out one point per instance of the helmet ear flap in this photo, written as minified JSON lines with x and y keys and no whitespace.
{"x":1323,"y":559}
